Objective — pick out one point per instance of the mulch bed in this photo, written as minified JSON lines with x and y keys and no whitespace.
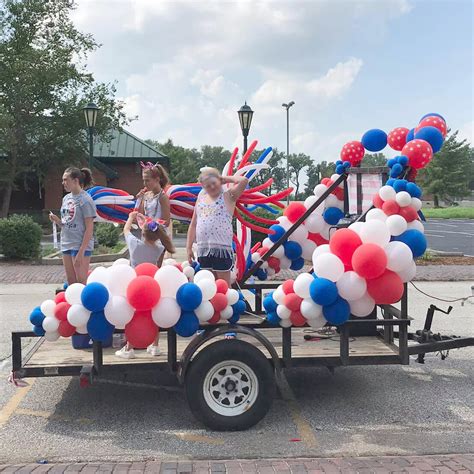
{"x":446,"y":261}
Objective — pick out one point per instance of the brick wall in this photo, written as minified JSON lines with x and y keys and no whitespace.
{"x":130,"y":177}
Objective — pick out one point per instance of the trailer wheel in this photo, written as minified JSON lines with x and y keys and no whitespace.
{"x":230,"y":385}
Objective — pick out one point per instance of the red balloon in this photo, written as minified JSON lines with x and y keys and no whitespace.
{"x":273,"y":262}
{"x":147,"y":269}
{"x":61,"y":310}
{"x":343,"y":243}
{"x":294,"y":211}
{"x":219,"y":301}
{"x":408,"y":213}
{"x":297,"y":319}
{"x":390,"y":207}
{"x":419,"y":153}
{"x":215,"y":318}
{"x":433,"y":121}
{"x":326,"y":181}
{"x":141,"y":331}
{"x":386,"y":289}
{"x":292,"y":301}
{"x":353,"y":152}
{"x":397,"y":138}
{"x":318,"y":239}
{"x":222,"y":286}
{"x":60,"y":297}
{"x":66,"y":329}
{"x":369,"y":261}
{"x":178,"y":266}
{"x":339,"y":193}
{"x":262,"y":251}
{"x":378,"y":201}
{"x":143,"y":293}
{"x":288,"y":287}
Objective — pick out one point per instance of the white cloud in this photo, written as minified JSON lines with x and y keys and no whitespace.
{"x":466,"y":132}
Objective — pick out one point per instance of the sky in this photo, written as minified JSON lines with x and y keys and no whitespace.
{"x":184,"y":68}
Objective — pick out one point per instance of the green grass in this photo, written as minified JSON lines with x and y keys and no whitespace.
{"x":450,"y":213}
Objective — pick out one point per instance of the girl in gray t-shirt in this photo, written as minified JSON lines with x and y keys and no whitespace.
{"x":77,"y":224}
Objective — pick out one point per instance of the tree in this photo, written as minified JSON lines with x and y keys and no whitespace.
{"x":296,"y":164}
{"x":316,"y":173}
{"x":448,"y":174}
{"x":43,"y":87}
{"x":374,"y":159}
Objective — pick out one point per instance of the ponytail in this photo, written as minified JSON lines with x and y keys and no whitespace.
{"x":157,"y":172}
{"x":83,"y":175}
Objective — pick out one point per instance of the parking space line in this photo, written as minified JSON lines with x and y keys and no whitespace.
{"x":51,"y":416}
{"x":9,"y":409}
{"x":196,"y":438}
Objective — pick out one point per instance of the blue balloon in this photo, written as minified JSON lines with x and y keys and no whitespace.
{"x":391,"y":162}
{"x":194,"y":264}
{"x":415,"y":240}
{"x":269,"y":304}
{"x":261,"y":274}
{"x":98,"y":327}
{"x":94,"y":296}
{"x":403,"y":160}
{"x":293,"y":250}
{"x":189,"y":296}
{"x":279,"y":231}
{"x":432,"y":135}
{"x":187,"y":324}
{"x":36,"y":317}
{"x":241,"y":296}
{"x":65,"y":285}
{"x":397,"y":170}
{"x":323,"y":291}
{"x":347,"y":164}
{"x":338,"y":162}
{"x":239,"y":307}
{"x":337,"y":312}
{"x":414,"y":190}
{"x":340,"y":169}
{"x":400,"y":185}
{"x":297,"y":264}
{"x":390,"y":182}
{"x":273,"y":318}
{"x":38,"y":330}
{"x":374,"y":140}
{"x":332,"y":215}
{"x":432,"y":113}
{"x":411,"y":135}
{"x":234,"y":318}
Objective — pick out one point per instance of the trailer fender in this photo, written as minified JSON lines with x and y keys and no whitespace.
{"x":209,"y":334}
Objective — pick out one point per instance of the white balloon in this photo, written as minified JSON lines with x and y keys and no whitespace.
{"x":169,"y":261}
{"x":279,"y":295}
{"x":320,"y":249}
{"x":309,"y":201}
{"x":204,"y":275}
{"x":314,"y":223}
{"x":285,"y":323}
{"x":255,"y":257}
{"x":78,"y":316}
{"x":185,"y":264}
{"x":205,"y":311}
{"x":331,"y":201}
{"x":270,"y":272}
{"x":279,"y":252}
{"x":284,"y":222}
{"x":376,"y":215}
{"x":73,"y":293}
{"x":396,"y":224}
{"x":408,"y":273}
{"x":319,"y":190}
{"x":99,"y":275}
{"x":351,"y":286}
{"x":51,"y":336}
{"x":317,"y":323}
{"x":299,"y":235}
{"x":403,"y":199}
{"x":267,"y":243}
{"x":47,"y":308}
{"x":302,"y":284}
{"x":208,"y":288}
{"x":283,"y":312}
{"x":310,"y":310}
{"x":264,"y":266}
{"x":363,"y":306}
{"x":227,"y":312}
{"x":357,"y":227}
{"x":416,"y":203}
{"x":121,"y":261}
{"x":119,"y":278}
{"x":166,"y":313}
{"x":232,"y":296}
{"x":334,"y":177}
{"x":326,"y":231}
{"x":399,"y":256}
{"x":285,"y":263}
{"x":82,"y":330}
{"x":416,"y":225}
{"x":118,"y":312}
{"x":328,"y":265}
{"x":375,"y":232}
{"x":170,"y":279}
{"x":50,"y":324}
{"x":340,"y":205}
{"x":188,"y":271}
{"x":307,"y":249}
{"x":387,"y":193}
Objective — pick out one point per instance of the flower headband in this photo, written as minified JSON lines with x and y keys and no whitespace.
{"x":145,"y":222}
{"x":148,"y":165}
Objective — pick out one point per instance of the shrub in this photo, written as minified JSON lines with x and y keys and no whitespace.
{"x":20,"y":237}
{"x":107,"y":234}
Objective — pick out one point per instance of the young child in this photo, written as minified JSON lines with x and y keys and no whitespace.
{"x":211,"y":225}
{"x":77,"y":224}
{"x":154,"y":202}
{"x":145,"y":250}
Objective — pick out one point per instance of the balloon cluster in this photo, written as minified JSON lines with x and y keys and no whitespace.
{"x":140,"y":300}
{"x":303,"y":241}
{"x":112,"y":205}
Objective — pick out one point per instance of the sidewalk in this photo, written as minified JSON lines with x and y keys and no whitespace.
{"x":455,"y":463}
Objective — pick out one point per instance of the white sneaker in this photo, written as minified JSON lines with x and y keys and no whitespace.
{"x":153,"y":350}
{"x":124,"y":354}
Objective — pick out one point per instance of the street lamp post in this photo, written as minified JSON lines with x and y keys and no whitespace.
{"x":287,"y":107}
{"x":90,"y":114}
{"x":245,"y":117}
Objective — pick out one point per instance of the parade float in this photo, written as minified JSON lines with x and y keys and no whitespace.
{"x":353,"y":269}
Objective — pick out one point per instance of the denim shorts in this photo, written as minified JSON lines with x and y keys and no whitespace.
{"x":73,"y":253}
{"x":218,"y":264}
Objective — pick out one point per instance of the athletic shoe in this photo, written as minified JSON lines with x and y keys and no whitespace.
{"x":124,"y":354}
{"x":153,"y":350}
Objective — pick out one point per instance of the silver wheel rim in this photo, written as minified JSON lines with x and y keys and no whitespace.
{"x":230,"y":388}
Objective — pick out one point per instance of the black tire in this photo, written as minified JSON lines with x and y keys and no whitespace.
{"x":254,"y":403}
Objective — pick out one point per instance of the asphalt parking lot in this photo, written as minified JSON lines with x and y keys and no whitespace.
{"x":450,"y":235}
{"x":416,"y":409}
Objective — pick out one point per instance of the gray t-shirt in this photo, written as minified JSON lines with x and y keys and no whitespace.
{"x":75,"y":209}
{"x":141,"y":252}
